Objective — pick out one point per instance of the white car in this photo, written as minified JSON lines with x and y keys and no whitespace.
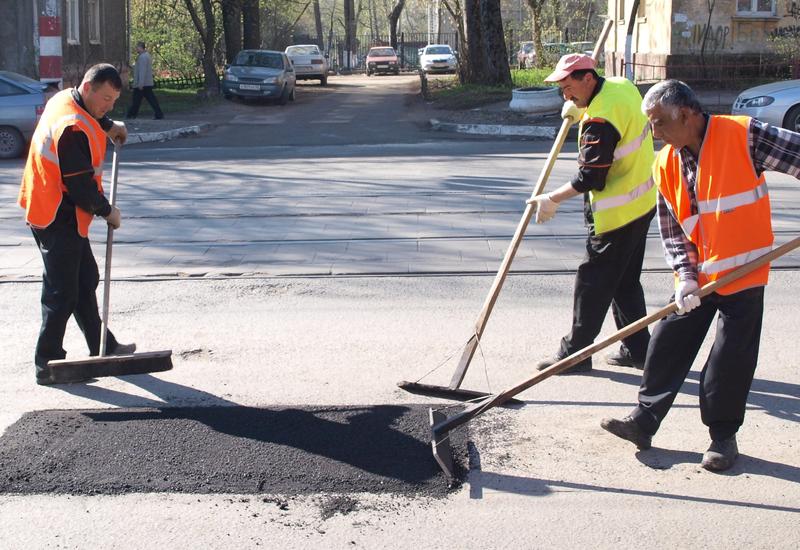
{"x":309,"y":63}
{"x":777,"y":104}
{"x":438,"y":58}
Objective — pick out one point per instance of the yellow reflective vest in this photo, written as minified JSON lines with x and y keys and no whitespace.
{"x":629,"y":192}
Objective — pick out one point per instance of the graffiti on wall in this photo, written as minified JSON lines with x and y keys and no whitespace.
{"x":716,"y":39}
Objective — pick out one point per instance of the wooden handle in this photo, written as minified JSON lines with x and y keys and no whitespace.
{"x":500,"y":398}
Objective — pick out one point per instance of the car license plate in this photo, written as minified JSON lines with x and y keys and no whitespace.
{"x":383,"y":66}
{"x":249,"y":87}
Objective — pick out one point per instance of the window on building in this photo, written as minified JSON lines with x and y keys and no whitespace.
{"x":756,"y":7}
{"x":94,"y":21}
{"x":73,"y":22}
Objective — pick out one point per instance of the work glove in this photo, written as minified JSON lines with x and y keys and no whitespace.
{"x":114,"y":218}
{"x":571,"y":111}
{"x":118,"y":132}
{"x":686,"y":296}
{"x":545,"y":207}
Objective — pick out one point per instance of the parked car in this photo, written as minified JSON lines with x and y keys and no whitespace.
{"x":260,"y":73}
{"x":526,"y":55}
{"x":382,"y":60}
{"x":777,"y":103}
{"x":22,"y":102}
{"x":309,"y":63}
{"x":438,"y":58}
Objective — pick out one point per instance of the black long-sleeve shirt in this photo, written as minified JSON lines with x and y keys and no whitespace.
{"x":77,"y":172}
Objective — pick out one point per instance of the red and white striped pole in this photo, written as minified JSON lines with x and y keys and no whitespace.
{"x":50,"y":69}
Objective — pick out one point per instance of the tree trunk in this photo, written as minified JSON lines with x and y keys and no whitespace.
{"x":348,"y":38}
{"x":394,"y":18}
{"x":206,"y":31}
{"x":453,"y":7}
{"x":497,"y":69}
{"x":318,"y":25}
{"x":232,"y":27}
{"x":536,"y":29}
{"x":474,"y":62}
{"x":251,"y":24}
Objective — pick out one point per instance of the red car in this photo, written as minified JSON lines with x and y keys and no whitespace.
{"x":382,"y":60}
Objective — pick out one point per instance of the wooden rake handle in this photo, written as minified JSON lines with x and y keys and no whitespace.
{"x":572,"y":360}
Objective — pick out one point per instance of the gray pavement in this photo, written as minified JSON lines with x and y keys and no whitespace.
{"x":447,"y":212}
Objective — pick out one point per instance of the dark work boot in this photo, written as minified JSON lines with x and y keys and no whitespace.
{"x":582,"y":367}
{"x":720,"y":455}
{"x":627,"y":429}
{"x":623,"y":358}
{"x":123,"y":349}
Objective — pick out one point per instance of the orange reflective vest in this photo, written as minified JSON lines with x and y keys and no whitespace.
{"x":42,"y":188}
{"x":733,"y":223}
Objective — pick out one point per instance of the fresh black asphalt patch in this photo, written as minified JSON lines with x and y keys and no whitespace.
{"x":241,"y":450}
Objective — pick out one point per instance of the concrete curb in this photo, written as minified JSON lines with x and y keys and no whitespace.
{"x":527,"y":132}
{"x":165,"y":135}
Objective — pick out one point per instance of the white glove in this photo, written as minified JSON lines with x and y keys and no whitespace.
{"x":114,"y":218}
{"x":545,"y":207}
{"x":686,"y":296}
{"x":570,"y":110}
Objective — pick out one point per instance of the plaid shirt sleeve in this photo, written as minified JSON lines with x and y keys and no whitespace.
{"x":774,"y":148}
{"x":679,"y":251}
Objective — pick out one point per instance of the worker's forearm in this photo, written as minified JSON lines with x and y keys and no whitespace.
{"x":563,"y":193}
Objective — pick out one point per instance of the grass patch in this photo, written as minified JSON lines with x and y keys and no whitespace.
{"x":171,"y":101}
{"x":448,"y":93}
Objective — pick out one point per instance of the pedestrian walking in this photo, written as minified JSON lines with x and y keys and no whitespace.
{"x":614,"y":176}
{"x":143,"y":83}
{"x":714,"y":215}
{"x":61,"y":193}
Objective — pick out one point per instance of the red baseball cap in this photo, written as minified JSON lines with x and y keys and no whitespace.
{"x":568,"y":63}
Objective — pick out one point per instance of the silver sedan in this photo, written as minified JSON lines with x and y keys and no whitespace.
{"x":22,"y":102}
{"x":777,"y":104}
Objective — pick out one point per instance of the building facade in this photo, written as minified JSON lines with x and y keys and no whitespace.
{"x":698,"y":41}
{"x":57,"y":40}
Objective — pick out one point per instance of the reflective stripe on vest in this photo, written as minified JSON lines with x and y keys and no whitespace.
{"x":621,"y":200}
{"x":711,"y":267}
{"x":732,"y":225}
{"x":724,"y":203}
{"x":625,"y":150}
{"x":629,"y":191}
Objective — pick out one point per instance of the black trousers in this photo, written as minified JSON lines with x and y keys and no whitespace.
{"x":69,"y":282}
{"x":609,"y":276}
{"x":147,"y":93}
{"x":727,"y":374}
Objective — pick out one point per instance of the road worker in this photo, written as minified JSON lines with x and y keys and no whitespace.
{"x":614,"y":175}
{"x":714,"y":215}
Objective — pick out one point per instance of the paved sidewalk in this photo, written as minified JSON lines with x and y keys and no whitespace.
{"x":144,"y":131}
{"x":499,"y":120}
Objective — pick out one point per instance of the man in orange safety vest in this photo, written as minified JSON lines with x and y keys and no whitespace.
{"x":61,"y":192}
{"x":714,"y":216}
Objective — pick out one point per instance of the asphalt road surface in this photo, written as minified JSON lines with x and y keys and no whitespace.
{"x":298,"y":275}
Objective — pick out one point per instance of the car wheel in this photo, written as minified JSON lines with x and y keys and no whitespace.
{"x":12,"y":144}
{"x":324,"y":80}
{"x":284,"y":97}
{"x":291,"y":96}
{"x":397,"y":71}
{"x":792,"y":120}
